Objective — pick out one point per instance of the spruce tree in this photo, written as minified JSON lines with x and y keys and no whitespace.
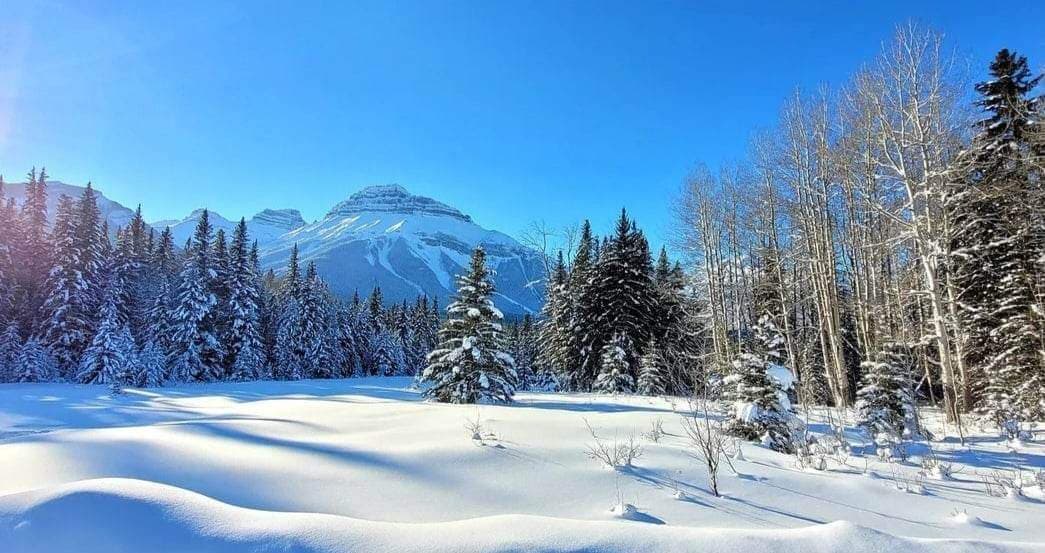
{"x":884,"y":402}
{"x":996,"y":239}
{"x":34,"y":363}
{"x":621,"y":296}
{"x":651,"y":372}
{"x":243,"y":341}
{"x":10,"y":346}
{"x":7,"y":281}
{"x":555,"y":330}
{"x":615,"y":373}
{"x":470,"y":364}
{"x":68,"y":322}
{"x":585,"y":338}
{"x":759,"y":410}
{"x":151,"y":366}
{"x":196,"y":352}
{"x":107,"y":360}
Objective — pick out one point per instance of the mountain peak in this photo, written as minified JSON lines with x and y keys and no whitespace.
{"x":393,"y":198}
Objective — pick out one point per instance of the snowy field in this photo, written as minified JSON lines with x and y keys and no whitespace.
{"x":355,"y":465}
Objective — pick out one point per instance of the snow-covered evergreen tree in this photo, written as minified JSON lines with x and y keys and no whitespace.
{"x":651,"y":372}
{"x":615,"y":373}
{"x":150,"y":366}
{"x":34,"y":363}
{"x":759,"y":404}
{"x":996,"y":239}
{"x":108,"y":358}
{"x":620,"y":296}
{"x":884,"y":402}
{"x":33,"y":252}
{"x":10,"y":345}
{"x":68,"y":309}
{"x":470,"y":364}
{"x":196,"y":353}
{"x":243,"y":337}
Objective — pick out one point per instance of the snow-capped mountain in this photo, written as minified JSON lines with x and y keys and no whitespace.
{"x":408,"y":245}
{"x":116,"y":214}
{"x":265,"y":227}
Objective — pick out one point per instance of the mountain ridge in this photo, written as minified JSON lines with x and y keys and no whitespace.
{"x":379,"y":236}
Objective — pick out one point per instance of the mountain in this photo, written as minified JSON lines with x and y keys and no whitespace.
{"x":408,"y":245}
{"x":116,"y":214}
{"x":264,"y":227}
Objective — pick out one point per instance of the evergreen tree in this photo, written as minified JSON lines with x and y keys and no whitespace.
{"x":7,"y":280}
{"x":581,"y":359}
{"x":759,"y":404}
{"x":68,"y":321}
{"x":620,"y":295}
{"x":108,"y":358}
{"x":34,"y":250}
{"x":243,"y":337}
{"x":556,"y":320}
{"x":651,"y":372}
{"x":10,"y":345}
{"x":196,"y":353}
{"x":34,"y":363}
{"x":884,"y":402}
{"x":997,"y":236}
{"x":615,"y":373}
{"x":151,"y":366}
{"x":470,"y":364}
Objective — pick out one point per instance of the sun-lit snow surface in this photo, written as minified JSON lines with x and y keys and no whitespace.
{"x":225,"y":467}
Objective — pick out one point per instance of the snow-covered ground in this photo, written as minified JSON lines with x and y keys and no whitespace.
{"x":353,"y":465}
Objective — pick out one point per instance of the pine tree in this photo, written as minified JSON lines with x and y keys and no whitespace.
{"x":581,"y":360}
{"x":759,"y":404}
{"x":108,"y":358}
{"x":651,"y":372}
{"x":34,"y":249}
{"x":10,"y":346}
{"x":620,"y":297}
{"x":884,"y":402}
{"x":34,"y":363}
{"x":996,"y":240}
{"x":470,"y":364}
{"x":289,"y":350}
{"x":615,"y":373}
{"x":196,"y":353}
{"x":7,"y":281}
{"x":243,"y":341}
{"x":68,"y":321}
{"x":151,"y":365}
{"x":310,"y":331}
{"x":555,"y":326}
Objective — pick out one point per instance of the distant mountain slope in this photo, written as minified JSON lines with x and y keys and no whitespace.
{"x":116,"y":214}
{"x":265,"y":227}
{"x":408,"y":245}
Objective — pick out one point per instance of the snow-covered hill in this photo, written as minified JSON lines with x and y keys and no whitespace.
{"x":265,"y":227}
{"x":364,"y":465}
{"x":116,"y":214}
{"x":408,"y":245}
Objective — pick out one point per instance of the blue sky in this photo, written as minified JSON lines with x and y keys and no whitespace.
{"x":511,"y":111}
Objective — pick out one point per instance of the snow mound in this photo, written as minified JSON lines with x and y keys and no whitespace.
{"x":114,"y":515}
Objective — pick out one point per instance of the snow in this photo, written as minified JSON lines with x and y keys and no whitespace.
{"x":365,"y":465}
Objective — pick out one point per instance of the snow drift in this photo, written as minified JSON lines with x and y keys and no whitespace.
{"x":113,"y":515}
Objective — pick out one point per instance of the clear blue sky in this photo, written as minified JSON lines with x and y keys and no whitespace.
{"x":511,"y":111}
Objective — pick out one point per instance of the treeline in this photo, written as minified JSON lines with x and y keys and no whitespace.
{"x":880,"y":227}
{"x":77,"y":307}
{"x":616,"y":322}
